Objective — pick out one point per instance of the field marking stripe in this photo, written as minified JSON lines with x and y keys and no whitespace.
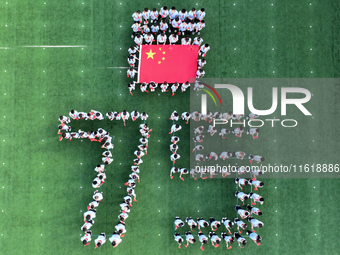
{"x":113,"y":67}
{"x":53,"y":46}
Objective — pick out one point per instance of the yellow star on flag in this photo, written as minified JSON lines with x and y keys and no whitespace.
{"x":163,"y":52}
{"x":160,"y":48}
{"x":159,"y":62}
{"x":163,"y":58}
{"x":150,"y":54}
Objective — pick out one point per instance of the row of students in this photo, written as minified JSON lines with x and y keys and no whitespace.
{"x":160,"y":38}
{"x":209,"y":116}
{"x":90,"y":214}
{"x":184,"y":116}
{"x":192,"y":21}
{"x":223,"y":155}
{"x":254,"y":132}
{"x":201,"y":223}
{"x":215,"y":240}
{"x":125,"y":206}
{"x":177,"y":27}
{"x":115,"y":239}
{"x":99,"y":180}
{"x":173,"y":148}
{"x":153,"y":15}
{"x":198,"y":131}
{"x":133,"y":177}
{"x":124,"y":115}
{"x":249,"y":211}
{"x":152,"y":86}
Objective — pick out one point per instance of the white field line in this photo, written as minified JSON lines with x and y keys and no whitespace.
{"x":114,"y":67}
{"x":54,"y":46}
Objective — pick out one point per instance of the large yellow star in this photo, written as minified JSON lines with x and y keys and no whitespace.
{"x":150,"y":54}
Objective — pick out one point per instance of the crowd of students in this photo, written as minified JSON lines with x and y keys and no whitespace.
{"x":151,"y":26}
{"x":249,"y":212}
{"x":223,"y":225}
{"x":103,"y":136}
{"x":199,"y":136}
{"x":98,"y":135}
{"x":225,"y":155}
{"x":174,"y":146}
{"x":164,"y":87}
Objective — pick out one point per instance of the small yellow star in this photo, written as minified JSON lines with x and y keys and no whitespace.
{"x":159,"y":62}
{"x":160,"y":48}
{"x":163,"y":52}
{"x":163,"y":58}
{"x":150,"y":54}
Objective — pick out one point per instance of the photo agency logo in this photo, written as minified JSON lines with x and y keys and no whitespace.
{"x":238,"y":105}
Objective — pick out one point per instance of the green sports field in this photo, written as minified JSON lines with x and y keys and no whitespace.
{"x":46,"y":184}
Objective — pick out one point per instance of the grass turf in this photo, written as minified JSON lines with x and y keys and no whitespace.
{"x":50,"y":82}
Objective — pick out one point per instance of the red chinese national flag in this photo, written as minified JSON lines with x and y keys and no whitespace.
{"x":170,"y":63}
